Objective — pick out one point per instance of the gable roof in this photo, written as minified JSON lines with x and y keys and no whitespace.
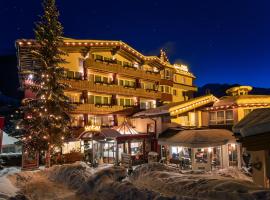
{"x":70,"y":42}
{"x":177,"y":107}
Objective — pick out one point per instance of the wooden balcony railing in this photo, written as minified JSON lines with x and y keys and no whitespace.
{"x":166,"y":97}
{"x":93,"y":109}
{"x":166,"y":82}
{"x":119,"y":69}
{"x":112,"y":89}
{"x":102,"y":110}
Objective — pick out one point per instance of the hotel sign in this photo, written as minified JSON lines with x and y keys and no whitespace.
{"x":181,"y":67}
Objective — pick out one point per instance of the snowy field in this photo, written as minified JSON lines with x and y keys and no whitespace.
{"x":154,"y":181}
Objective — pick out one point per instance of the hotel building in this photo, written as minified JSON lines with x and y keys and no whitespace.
{"x":110,"y":80}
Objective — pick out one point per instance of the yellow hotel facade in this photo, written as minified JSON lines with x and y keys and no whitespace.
{"x":109,"y":80}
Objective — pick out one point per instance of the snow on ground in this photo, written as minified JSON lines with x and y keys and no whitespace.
{"x":7,"y":189}
{"x":150,"y":181}
{"x":210,"y":186}
{"x":232,"y":172}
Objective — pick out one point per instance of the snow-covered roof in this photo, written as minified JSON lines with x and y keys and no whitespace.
{"x":196,"y":138}
{"x":247,"y":100}
{"x":255,"y":123}
{"x":7,"y":139}
{"x":178,"y":107}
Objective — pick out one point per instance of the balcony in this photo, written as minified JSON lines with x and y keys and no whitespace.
{"x":166,"y":97}
{"x":123,"y":70}
{"x":102,"y":109}
{"x":166,"y":82}
{"x":112,"y":89}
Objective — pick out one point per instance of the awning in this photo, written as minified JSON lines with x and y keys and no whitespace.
{"x":196,"y":138}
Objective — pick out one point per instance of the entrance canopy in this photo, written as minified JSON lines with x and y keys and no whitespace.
{"x":111,"y":134}
{"x":104,"y":133}
{"x":196,"y":138}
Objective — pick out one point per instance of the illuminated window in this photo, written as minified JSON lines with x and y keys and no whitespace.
{"x":221,"y":117}
{"x":229,"y":117}
{"x":98,"y":100}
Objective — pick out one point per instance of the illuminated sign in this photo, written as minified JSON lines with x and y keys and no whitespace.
{"x":92,"y":128}
{"x":181,"y":67}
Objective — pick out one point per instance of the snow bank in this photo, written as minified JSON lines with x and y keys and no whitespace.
{"x":169,"y":182}
{"x":7,"y":189}
{"x":232,"y":172}
{"x":107,"y":184}
{"x":72,"y":175}
{"x":150,"y":181}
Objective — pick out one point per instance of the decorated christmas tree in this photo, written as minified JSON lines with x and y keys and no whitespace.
{"x":43,"y":122}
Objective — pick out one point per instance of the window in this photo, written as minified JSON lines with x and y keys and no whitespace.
{"x":97,"y":78}
{"x":221,"y":117}
{"x":77,"y":120}
{"x":91,"y":99}
{"x":167,"y":74}
{"x":122,"y":102}
{"x":132,"y":83}
{"x":127,"y":102}
{"x":229,"y":117}
{"x":167,"y":89}
{"x":143,"y":105}
{"x":98,"y":100}
{"x":175,"y":78}
{"x":70,"y":74}
{"x":99,"y":57}
{"x":212,"y":117}
{"x":105,"y":80}
{"x":183,"y":80}
{"x":105,"y":100}
{"x":94,"y":120}
{"x":174,"y":92}
{"x":147,"y":104}
{"x":121,"y":82}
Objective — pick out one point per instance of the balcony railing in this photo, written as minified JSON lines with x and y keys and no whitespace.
{"x":166,"y":97}
{"x":98,"y":109}
{"x":123,"y":70}
{"x":112,"y":89}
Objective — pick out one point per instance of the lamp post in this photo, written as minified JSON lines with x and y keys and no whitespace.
{"x":92,"y":129}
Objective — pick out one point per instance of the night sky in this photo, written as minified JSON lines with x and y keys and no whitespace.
{"x":223,"y":41}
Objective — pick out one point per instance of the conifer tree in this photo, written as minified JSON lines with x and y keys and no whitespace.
{"x":43,"y":121}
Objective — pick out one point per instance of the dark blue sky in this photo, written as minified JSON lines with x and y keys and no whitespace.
{"x":223,"y":41}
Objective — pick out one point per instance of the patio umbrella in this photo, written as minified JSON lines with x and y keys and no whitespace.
{"x":198,"y":138}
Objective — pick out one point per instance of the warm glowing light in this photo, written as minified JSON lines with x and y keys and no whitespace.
{"x":30,"y":76}
{"x":92,"y":128}
{"x":181,"y":67}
